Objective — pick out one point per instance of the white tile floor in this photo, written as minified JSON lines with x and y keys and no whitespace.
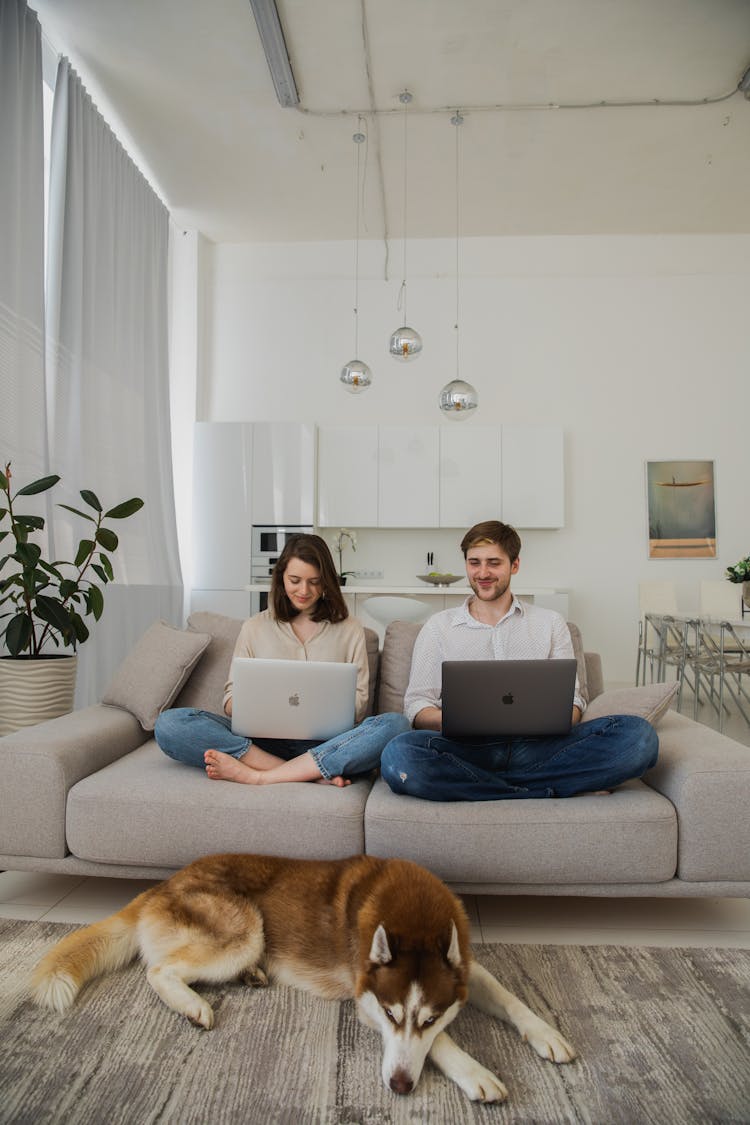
{"x":513,"y":919}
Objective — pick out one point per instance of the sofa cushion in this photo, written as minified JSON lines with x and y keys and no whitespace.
{"x":154,"y":670}
{"x":629,"y":836}
{"x":148,"y":809}
{"x":205,"y":688}
{"x":650,"y":701}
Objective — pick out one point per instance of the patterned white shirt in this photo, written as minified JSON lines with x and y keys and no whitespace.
{"x":527,"y":632}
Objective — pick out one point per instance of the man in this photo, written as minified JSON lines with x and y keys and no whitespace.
{"x":493,"y":624}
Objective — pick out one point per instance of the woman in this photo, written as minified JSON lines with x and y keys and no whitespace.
{"x":307,"y":619}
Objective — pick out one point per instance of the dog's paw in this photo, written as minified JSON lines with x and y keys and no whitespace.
{"x":200,"y":1014}
{"x":480,"y":1084}
{"x":548,"y":1043}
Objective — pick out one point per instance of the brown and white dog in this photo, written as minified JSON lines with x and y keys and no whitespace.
{"x":384,"y":932}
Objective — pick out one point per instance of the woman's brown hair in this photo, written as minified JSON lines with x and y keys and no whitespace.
{"x":313,"y":550}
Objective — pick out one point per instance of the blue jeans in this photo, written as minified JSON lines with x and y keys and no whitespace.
{"x":185,"y":733}
{"x":599,"y":754}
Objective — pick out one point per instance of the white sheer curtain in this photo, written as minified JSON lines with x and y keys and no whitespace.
{"x":107,"y":371}
{"x":22,"y":409}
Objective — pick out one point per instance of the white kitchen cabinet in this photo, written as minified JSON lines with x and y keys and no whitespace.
{"x":282,"y":478}
{"x":408,"y":469}
{"x":222,"y":460}
{"x":470,"y":474}
{"x":348,"y":476}
{"x":533,"y":477}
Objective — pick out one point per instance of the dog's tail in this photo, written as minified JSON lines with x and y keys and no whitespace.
{"x":85,"y":954}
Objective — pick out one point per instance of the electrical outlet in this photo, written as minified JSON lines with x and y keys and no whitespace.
{"x":368,"y":574}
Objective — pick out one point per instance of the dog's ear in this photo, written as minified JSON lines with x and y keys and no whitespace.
{"x":454,"y":951}
{"x":380,"y":951}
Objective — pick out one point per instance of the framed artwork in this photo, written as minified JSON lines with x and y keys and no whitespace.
{"x":681,"y":509}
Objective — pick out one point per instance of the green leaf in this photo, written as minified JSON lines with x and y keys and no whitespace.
{"x":85,"y":547}
{"x":79,"y":628}
{"x":77,"y":512}
{"x":50,"y":569}
{"x":95,"y":602}
{"x":91,"y":499}
{"x":18,"y":634}
{"x":34,"y":523}
{"x":55,"y":614}
{"x":107,"y":539}
{"x":67,"y":588}
{"x":99,"y":570}
{"x":107,"y":566}
{"x":4,"y":482}
{"x":127,"y":508}
{"x":36,"y":486}
{"x":28,"y":554}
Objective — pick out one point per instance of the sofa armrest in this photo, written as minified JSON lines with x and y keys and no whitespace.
{"x":40,"y":764}
{"x":706,"y":776}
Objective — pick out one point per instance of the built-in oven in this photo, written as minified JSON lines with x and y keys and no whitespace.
{"x":266,"y":544}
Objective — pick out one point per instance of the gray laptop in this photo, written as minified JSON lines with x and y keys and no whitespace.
{"x":507,"y":698}
{"x":292,"y":698}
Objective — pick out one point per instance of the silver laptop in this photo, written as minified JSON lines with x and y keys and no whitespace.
{"x":507,"y":698}
{"x":292,"y":698}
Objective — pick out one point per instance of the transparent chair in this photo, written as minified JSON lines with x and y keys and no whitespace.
{"x":383,"y":609}
{"x":720,"y":600}
{"x":655,"y":599}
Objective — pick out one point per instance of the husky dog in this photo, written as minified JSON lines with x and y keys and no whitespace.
{"x":384,"y":932}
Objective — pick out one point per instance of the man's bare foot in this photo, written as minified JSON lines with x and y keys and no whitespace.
{"x":223,"y":767}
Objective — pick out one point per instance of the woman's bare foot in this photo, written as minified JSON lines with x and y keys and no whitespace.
{"x":223,"y":767}
{"x":339,"y":782}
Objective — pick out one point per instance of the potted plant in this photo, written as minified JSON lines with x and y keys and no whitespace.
{"x":740,"y":572}
{"x":338,"y":545}
{"x":43,"y":604}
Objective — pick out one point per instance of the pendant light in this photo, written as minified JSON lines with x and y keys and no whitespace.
{"x":356,"y":375}
{"x":457,"y":398}
{"x":405,"y":342}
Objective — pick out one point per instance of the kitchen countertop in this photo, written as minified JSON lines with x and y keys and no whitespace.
{"x":425,"y":589}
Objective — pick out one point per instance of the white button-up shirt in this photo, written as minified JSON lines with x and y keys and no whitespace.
{"x":527,"y":632}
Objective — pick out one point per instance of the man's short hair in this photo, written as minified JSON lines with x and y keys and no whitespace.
{"x":493,"y":531}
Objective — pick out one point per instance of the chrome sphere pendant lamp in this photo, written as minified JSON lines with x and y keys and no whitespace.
{"x":405,"y":342}
{"x":356,"y":375}
{"x":457,"y":398}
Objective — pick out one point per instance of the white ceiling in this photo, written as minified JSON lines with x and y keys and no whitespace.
{"x":185,"y":85}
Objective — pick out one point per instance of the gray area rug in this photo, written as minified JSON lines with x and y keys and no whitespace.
{"x":663,"y":1036}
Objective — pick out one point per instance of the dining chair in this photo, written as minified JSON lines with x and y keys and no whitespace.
{"x":654,"y":598}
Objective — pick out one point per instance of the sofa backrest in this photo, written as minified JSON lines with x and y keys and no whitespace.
{"x":205,"y":688}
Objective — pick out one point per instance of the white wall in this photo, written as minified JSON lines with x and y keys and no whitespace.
{"x":636,"y":346}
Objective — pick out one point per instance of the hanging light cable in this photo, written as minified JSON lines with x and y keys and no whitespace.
{"x":458,"y":398}
{"x":356,"y":375}
{"x":405,"y":342}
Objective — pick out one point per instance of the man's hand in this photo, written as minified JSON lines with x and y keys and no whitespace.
{"x":429,"y":718}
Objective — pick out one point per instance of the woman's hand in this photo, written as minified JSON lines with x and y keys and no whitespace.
{"x":429,"y":718}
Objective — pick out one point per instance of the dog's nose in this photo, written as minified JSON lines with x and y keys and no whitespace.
{"x":401,"y":1083}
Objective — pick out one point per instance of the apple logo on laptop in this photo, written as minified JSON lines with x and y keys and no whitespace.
{"x":508,"y":697}
{"x":294,"y":700}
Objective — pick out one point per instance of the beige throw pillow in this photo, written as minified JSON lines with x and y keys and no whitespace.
{"x":650,"y":701}
{"x":153,"y":672}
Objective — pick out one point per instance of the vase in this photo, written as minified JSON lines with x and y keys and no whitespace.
{"x":342,"y":580}
{"x":745,"y":596}
{"x":33,"y":690}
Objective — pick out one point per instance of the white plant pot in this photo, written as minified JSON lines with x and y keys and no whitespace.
{"x":32,"y":691}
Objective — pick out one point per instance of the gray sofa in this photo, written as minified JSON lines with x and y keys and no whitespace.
{"x":91,"y":794}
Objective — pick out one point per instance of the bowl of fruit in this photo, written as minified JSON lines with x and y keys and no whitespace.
{"x":436,"y":579}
